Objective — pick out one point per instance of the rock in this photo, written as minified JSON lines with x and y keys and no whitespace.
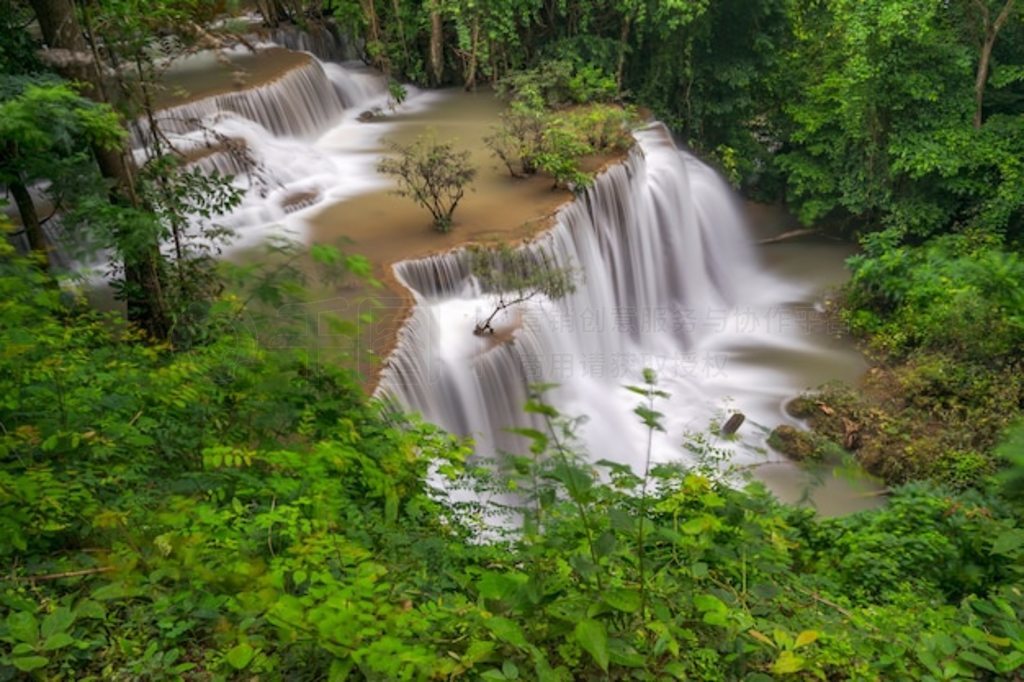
{"x":795,"y":443}
{"x":733,"y":424}
{"x":371,"y":115}
{"x":801,"y":408}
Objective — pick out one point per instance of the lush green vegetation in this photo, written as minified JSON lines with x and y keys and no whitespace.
{"x":180,"y":501}
{"x":231,"y":511}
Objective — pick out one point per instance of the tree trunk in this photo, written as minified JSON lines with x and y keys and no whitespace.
{"x":397,"y":8}
{"x":377,"y":56}
{"x":30,"y":221}
{"x":623,"y":40}
{"x":474,"y":51}
{"x":436,"y":44}
{"x":59,"y":25}
{"x":63,"y":34}
{"x":991,"y":32}
{"x":269,"y":11}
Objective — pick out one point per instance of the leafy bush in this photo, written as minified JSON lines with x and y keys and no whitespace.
{"x":431,"y":173}
{"x":960,"y":294}
{"x":558,"y":83}
{"x":229,"y":511}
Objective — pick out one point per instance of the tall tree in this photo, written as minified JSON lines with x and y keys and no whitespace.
{"x":992,"y":20}
{"x":71,"y":55}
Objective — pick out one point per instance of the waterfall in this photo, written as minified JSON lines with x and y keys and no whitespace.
{"x":660,"y":248}
{"x":289,"y":141}
{"x":322,"y":41}
{"x":299,"y":103}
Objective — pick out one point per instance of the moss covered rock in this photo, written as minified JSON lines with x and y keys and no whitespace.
{"x":795,"y":443}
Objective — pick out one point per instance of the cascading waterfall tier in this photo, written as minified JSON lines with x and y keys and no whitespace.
{"x":300,"y":103}
{"x":287,"y":142}
{"x":656,"y":243}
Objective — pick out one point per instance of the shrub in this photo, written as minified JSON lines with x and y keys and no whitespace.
{"x":431,"y":173}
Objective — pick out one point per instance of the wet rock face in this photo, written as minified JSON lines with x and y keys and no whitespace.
{"x":795,"y":443}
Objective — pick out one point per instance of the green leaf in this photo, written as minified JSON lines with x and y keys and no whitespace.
{"x":605,"y":544}
{"x":593,"y":637}
{"x":706,"y":603}
{"x":787,"y":662}
{"x":622,"y":599}
{"x":976,"y":660}
{"x":1010,"y":661}
{"x":27,"y":664}
{"x":698,"y":525}
{"x":806,"y":637}
{"x":1008,"y":542}
{"x":58,"y":621}
{"x":240,"y":656}
{"x":507,"y":631}
{"x":339,"y":670}
{"x":58,"y":640}
{"x":88,"y":608}
{"x":23,"y":627}
{"x":325,"y":254}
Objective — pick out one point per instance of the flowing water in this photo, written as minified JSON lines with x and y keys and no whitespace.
{"x":283,"y":122}
{"x":668,"y":274}
{"x":670,"y":280}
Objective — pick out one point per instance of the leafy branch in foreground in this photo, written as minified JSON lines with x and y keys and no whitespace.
{"x":431,"y":173}
{"x":517,"y":275}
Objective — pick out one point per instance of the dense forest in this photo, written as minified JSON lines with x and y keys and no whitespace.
{"x":180,"y":499}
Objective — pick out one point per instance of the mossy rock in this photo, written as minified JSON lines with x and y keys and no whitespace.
{"x":795,"y":444}
{"x":802,"y":407}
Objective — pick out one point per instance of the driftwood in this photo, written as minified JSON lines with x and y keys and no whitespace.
{"x":791,"y":235}
{"x":733,"y":424}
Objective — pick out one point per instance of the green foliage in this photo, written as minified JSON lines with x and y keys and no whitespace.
{"x":560,"y":154}
{"x":230,"y":511}
{"x":45,"y":130}
{"x":17,"y":56}
{"x":556,"y":142}
{"x":558,"y":83}
{"x":959,"y":294}
{"x":947,"y":319}
{"x":519,"y":139}
{"x":431,"y":173}
{"x":397,"y":94}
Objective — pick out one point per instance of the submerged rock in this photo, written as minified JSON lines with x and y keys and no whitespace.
{"x":371,"y":115}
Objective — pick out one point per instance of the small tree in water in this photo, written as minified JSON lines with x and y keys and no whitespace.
{"x":517,"y":275}
{"x":431,"y":173}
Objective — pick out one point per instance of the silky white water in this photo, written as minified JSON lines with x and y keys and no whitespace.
{"x":297,"y":139}
{"x":667,"y":279}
